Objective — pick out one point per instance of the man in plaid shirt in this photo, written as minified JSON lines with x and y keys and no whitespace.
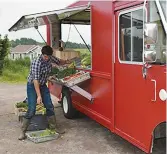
{"x":38,"y":92}
{"x":40,"y":69}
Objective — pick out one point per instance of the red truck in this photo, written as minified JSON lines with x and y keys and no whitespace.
{"x":127,"y":90}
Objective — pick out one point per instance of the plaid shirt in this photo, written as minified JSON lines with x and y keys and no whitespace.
{"x":40,"y":69}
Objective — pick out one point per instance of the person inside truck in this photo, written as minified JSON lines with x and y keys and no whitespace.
{"x":37,"y":90}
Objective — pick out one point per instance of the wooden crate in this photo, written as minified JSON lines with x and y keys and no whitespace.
{"x":66,"y":54}
{"x":18,"y":111}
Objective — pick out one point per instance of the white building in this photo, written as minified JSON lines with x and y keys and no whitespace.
{"x":22,"y":51}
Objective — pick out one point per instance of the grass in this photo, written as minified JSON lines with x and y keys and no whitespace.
{"x":85,"y":55}
{"x":15,"y":71}
{"x":83,"y":52}
{"x":14,"y":77}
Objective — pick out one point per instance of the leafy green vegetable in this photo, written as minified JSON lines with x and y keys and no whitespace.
{"x":63,"y":73}
{"x":44,"y":133}
{"x":47,"y":132}
{"x":54,"y":71}
{"x":86,"y":61}
{"x":22,"y":105}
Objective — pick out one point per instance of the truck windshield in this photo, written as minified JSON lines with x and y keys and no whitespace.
{"x":161,"y":45}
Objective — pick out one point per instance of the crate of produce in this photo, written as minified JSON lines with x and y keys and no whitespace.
{"x":76,"y":78}
{"x":42,"y":136}
{"x":62,"y":72}
{"x":72,"y":79}
{"x":21,"y":109}
{"x":38,"y":122}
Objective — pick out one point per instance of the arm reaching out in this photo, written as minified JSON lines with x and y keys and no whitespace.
{"x":59,"y":61}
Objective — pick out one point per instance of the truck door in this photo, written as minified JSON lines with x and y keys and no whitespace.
{"x":138,"y":108}
{"x":132,"y":97}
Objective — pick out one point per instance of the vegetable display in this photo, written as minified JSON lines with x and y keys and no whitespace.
{"x":44,"y":133}
{"x":62,"y":72}
{"x":23,"y":107}
{"x":86,"y":61}
{"x":68,"y":75}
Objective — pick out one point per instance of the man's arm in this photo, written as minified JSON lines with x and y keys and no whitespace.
{"x":63,"y":62}
{"x":36,"y":74}
{"x":55,"y":60}
{"x":37,"y":89}
{"x":59,"y":61}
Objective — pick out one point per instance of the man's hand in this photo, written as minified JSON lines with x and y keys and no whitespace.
{"x":63,"y":62}
{"x":50,"y":78}
{"x":68,"y":61}
{"x":39,"y":100}
{"x":54,"y":65}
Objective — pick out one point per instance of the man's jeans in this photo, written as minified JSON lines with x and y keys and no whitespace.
{"x":32,"y":100}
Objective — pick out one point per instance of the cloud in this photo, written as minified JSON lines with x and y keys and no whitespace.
{"x":11,"y":11}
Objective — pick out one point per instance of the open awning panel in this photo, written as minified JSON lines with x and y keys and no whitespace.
{"x":65,"y":15}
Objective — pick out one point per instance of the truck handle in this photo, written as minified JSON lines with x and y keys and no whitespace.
{"x":155,"y":90}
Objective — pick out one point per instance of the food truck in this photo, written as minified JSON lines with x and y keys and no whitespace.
{"x":124,"y":88}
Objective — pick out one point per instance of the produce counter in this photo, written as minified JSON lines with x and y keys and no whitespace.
{"x":69,"y":77}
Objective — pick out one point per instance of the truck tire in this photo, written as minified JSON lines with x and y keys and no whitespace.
{"x":68,"y":110}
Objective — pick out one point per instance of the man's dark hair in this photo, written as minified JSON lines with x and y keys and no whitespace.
{"x":47,"y":50}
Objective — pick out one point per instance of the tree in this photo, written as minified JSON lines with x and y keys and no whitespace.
{"x":29,"y":41}
{"x":4,"y":50}
{"x":24,"y":41}
{"x":74,"y":45}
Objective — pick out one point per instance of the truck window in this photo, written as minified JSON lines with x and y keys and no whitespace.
{"x":131,"y":36}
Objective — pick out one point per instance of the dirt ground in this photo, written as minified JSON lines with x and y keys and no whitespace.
{"x":83,"y":135}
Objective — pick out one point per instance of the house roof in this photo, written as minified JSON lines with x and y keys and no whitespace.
{"x":24,"y":48}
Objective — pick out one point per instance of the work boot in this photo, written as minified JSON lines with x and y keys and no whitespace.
{"x":24,"y":127}
{"x":53,"y":125}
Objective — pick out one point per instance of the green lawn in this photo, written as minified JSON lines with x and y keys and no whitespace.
{"x":83,"y":51}
{"x":17,"y":71}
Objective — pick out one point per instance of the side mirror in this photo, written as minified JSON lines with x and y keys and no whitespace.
{"x":150,"y":33}
{"x":150,"y":40}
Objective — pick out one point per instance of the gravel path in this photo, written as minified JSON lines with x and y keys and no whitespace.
{"x":83,"y":135}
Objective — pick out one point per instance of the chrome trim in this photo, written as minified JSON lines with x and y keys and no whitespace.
{"x":131,"y":40}
{"x":144,"y":17}
{"x":155,"y":90}
{"x":123,"y":12}
{"x":91,"y":32}
{"x":37,"y":15}
{"x":82,"y":92}
{"x":113,"y":37}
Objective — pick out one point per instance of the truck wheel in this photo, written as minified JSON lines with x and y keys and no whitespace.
{"x":68,"y":110}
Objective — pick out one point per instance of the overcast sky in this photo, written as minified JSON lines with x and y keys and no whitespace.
{"x":12,"y":10}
